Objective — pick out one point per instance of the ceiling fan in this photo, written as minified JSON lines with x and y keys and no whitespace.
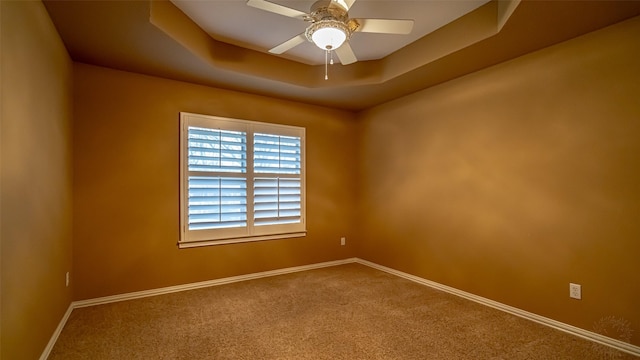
{"x":331,"y":28}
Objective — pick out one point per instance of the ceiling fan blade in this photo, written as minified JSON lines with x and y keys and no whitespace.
{"x":276,"y":8}
{"x":346,"y":4}
{"x":385,"y":26}
{"x":345,"y":54}
{"x":289,"y":44}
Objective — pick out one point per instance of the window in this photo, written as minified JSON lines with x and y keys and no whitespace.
{"x":240,"y":181}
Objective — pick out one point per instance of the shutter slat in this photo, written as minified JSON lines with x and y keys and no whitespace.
{"x":209,"y":181}
{"x":202,"y":218}
{"x":216,"y":225}
{"x":216,"y":208}
{"x":289,"y":190}
{"x":265,"y":206}
{"x":266,"y":214}
{"x":218,"y":169}
{"x":277,"y":213}
{"x":236,"y":143}
{"x":276,"y":221}
{"x":267,"y":153}
{"x":265,"y":199}
{"x":273,"y":163}
{"x":195,"y":156}
{"x":289,"y":198}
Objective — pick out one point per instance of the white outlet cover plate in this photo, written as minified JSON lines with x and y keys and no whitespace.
{"x":575,"y":291}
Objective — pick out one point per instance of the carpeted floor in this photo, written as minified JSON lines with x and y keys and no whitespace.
{"x":342,"y":312}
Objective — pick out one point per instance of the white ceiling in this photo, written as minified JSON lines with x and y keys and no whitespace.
{"x":233,"y":22}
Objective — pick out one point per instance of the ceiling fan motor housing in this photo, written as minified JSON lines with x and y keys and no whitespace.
{"x":327,"y":9}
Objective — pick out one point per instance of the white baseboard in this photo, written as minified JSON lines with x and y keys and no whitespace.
{"x":595,"y":337}
{"x":56,"y":333}
{"x":589,"y":335}
{"x":204,"y":284}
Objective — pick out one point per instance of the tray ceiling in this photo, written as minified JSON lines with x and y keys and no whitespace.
{"x":236,"y":23}
{"x":157,"y":38}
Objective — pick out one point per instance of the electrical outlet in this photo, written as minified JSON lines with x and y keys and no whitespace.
{"x":67,"y":279}
{"x":343,"y":241}
{"x":575,"y":291}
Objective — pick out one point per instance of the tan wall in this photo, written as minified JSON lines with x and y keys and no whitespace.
{"x":36,"y":179}
{"x":513,"y":181}
{"x":126,"y":191}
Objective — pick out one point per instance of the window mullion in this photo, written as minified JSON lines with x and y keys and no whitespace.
{"x":220,"y":197}
{"x":250,"y":178}
{"x":280,"y":176}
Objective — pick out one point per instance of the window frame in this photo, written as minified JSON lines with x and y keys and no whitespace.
{"x":250,"y":232}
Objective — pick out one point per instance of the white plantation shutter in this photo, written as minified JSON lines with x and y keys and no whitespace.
{"x":276,"y":154}
{"x":217,"y":150}
{"x":217,"y":202}
{"x":277,"y":193}
{"x":241,"y":181}
{"x":276,"y":201}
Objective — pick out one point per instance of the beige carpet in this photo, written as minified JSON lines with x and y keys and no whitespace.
{"x":342,"y":312}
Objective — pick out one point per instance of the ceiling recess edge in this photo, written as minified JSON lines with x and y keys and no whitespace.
{"x":480,"y":24}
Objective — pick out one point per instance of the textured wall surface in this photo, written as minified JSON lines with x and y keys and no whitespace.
{"x":513,"y":181}
{"x":126,"y":190}
{"x":36,"y":179}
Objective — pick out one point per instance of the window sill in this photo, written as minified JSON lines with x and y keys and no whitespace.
{"x":192,"y":244}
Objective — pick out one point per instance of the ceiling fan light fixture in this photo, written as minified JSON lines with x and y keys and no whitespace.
{"x":328,"y":34}
{"x":328,"y":38}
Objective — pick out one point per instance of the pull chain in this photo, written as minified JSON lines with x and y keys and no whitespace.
{"x":328,"y":59}
{"x":326,"y":69}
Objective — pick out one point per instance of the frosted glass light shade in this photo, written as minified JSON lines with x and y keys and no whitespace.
{"x":328,"y":38}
